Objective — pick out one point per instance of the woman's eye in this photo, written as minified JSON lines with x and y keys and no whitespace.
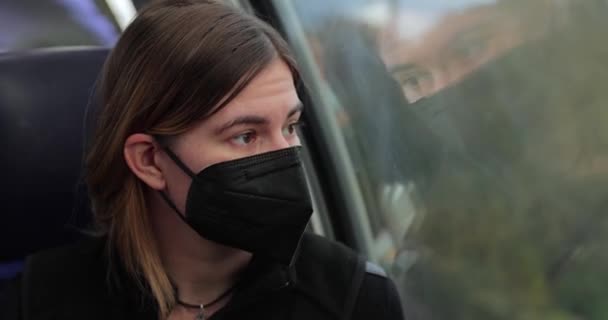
{"x":291,"y":129}
{"x":412,"y":83}
{"x":245,"y":138}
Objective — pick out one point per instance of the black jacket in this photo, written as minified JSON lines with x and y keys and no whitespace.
{"x":328,"y":281}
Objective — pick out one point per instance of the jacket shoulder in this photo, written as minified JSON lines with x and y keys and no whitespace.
{"x":319,"y":250}
{"x":378,"y":298}
{"x":64,"y":276}
{"x":87,"y":248}
{"x":330,"y":256}
{"x":332,"y":274}
{"x":58,"y":265}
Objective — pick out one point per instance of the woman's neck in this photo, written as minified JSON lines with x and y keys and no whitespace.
{"x":200,"y":269}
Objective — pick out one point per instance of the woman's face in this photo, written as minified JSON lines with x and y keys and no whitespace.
{"x":262,"y":118}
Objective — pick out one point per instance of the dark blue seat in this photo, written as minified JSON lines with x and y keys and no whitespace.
{"x":43,"y":98}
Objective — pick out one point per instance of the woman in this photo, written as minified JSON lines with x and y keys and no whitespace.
{"x":197,"y":188}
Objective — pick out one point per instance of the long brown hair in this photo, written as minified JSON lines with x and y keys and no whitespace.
{"x":177,"y":63}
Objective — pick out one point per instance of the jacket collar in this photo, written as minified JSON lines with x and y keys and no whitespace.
{"x":258,"y":280}
{"x":323,"y":271}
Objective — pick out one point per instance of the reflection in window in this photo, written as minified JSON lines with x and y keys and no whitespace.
{"x":452,"y":46}
{"x":477,"y":134}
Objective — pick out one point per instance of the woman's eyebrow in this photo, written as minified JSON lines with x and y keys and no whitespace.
{"x":242,"y":120}
{"x":297,"y":108}
{"x":254,"y":119}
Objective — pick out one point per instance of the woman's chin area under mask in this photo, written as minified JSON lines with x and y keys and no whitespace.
{"x":199,"y":269}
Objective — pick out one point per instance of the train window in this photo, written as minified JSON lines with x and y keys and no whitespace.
{"x":470,"y":144}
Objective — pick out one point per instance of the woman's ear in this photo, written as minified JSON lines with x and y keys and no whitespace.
{"x":139,"y":152}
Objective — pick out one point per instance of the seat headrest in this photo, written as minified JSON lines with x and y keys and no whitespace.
{"x":43,"y":98}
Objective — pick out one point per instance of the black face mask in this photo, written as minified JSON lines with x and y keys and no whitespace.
{"x":258,"y":204}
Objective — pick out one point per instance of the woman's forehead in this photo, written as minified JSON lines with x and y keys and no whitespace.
{"x":272,"y":90}
{"x":270,"y":95}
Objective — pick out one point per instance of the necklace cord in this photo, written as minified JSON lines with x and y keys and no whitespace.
{"x":209,"y":304}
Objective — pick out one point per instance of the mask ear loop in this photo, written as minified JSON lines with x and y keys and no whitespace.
{"x":171,"y":204}
{"x":178,"y":162}
{"x":183,"y":167}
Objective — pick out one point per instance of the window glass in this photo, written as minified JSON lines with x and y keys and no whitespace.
{"x":471,"y":145}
